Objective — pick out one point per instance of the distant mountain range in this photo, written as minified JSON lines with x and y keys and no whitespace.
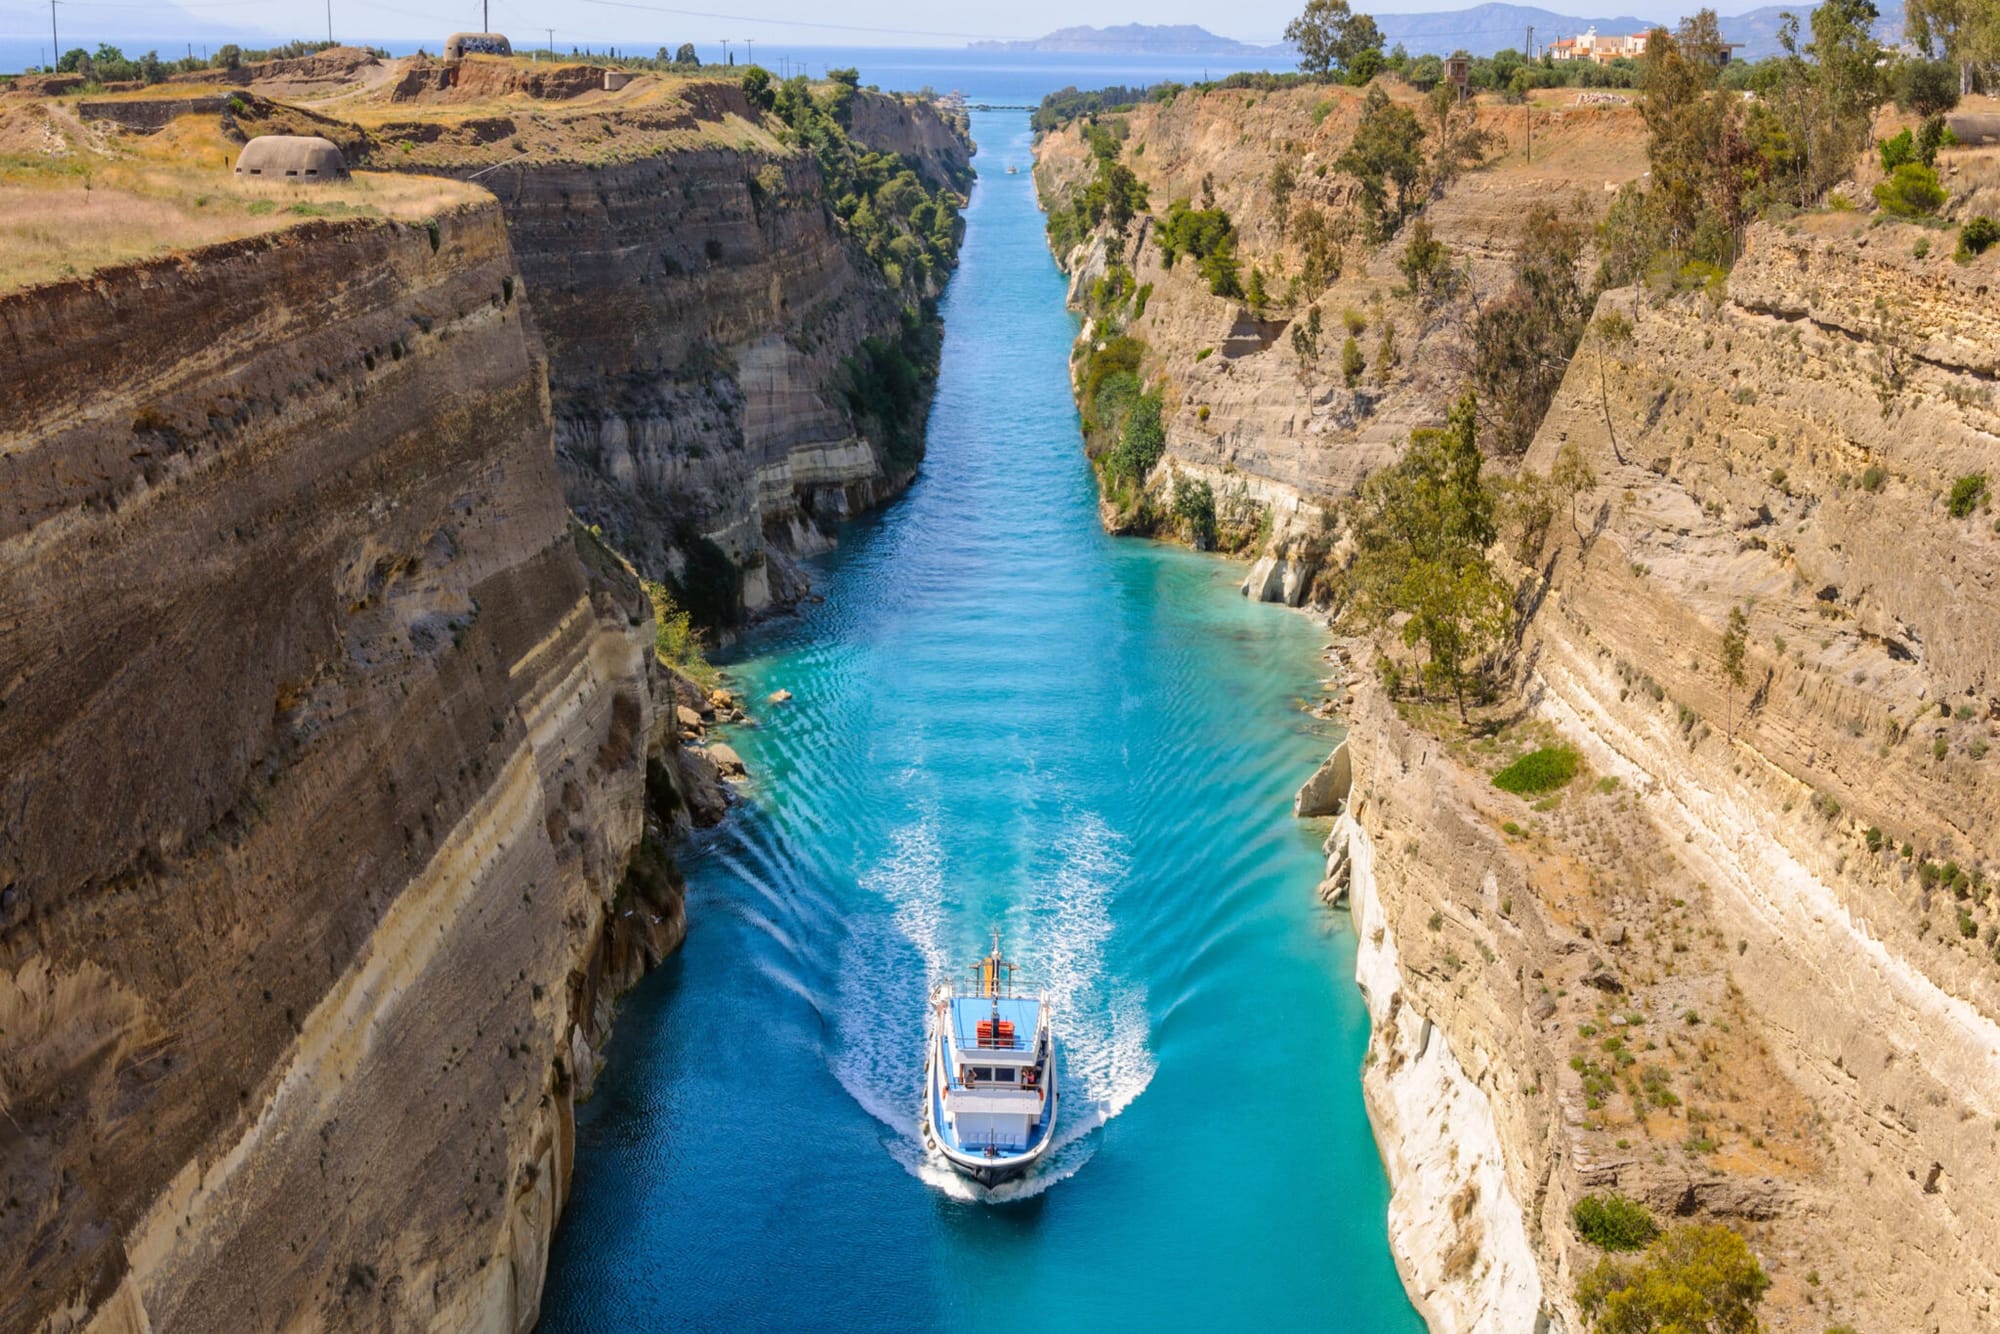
{"x":1480,"y":30}
{"x":1140,"y":39}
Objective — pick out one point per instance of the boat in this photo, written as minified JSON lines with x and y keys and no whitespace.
{"x":989,"y":1074}
{"x":1013,"y":170}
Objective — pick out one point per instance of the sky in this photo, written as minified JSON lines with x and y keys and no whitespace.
{"x":640,"y":24}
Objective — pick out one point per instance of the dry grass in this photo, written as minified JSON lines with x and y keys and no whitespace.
{"x":71,"y":204}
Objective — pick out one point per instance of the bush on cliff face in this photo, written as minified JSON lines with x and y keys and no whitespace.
{"x":1194,"y":507}
{"x":1140,"y":444}
{"x":888,"y":383}
{"x":1699,"y":1279}
{"x":1539,"y":771}
{"x":1522,"y":343}
{"x":1421,"y":533}
{"x":1614,"y":1222}
{"x":1912,"y":191}
{"x":1208,"y":237}
{"x":908,"y":229}
{"x":1977,"y":236}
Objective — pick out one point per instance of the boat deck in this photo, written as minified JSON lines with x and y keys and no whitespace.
{"x":968,"y":1012}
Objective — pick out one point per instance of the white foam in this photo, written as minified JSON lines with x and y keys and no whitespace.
{"x":1059,"y":935}
{"x":878,"y":1039}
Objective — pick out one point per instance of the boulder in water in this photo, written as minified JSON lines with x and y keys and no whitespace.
{"x":1326,"y":790}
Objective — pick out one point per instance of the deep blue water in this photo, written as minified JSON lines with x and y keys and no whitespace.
{"x":1001,"y":718}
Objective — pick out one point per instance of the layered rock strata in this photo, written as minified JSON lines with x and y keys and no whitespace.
{"x":325,"y":741}
{"x":704,"y":311}
{"x":1279,"y":433}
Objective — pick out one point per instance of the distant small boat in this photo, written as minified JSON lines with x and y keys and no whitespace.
{"x":1013,"y":170}
{"x":989,"y":1075}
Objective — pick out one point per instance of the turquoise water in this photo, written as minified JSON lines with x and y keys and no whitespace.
{"x":1001,"y":718}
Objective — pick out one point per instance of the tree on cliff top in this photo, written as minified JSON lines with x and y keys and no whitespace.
{"x":1421,"y":533}
{"x":1331,"y":37}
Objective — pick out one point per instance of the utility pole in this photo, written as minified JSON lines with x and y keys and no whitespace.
{"x":485,"y":19}
{"x":329,"y":21}
{"x":750,"y":44}
{"x":1528,"y":99}
{"x":55,"y":42}
{"x":725,"y":51}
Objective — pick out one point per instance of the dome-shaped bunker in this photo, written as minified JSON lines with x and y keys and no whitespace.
{"x":291,"y":157}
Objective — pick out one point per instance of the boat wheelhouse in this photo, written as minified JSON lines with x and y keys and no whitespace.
{"x":989,"y":1075}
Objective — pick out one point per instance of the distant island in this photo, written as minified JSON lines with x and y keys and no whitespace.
{"x":1480,"y":30}
{"x":1141,"y":39}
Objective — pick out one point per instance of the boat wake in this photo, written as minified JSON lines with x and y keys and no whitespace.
{"x":1063,"y":928}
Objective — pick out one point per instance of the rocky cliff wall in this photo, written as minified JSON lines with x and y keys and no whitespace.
{"x":702,"y":306}
{"x":1274,"y":431}
{"x":323,"y":750}
{"x":1790,"y":450}
{"x":1745,"y":966}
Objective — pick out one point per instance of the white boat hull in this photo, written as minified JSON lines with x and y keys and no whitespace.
{"x":986,"y":1166}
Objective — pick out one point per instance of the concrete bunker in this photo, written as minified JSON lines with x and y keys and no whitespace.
{"x":462,"y":44}
{"x":291,"y":157}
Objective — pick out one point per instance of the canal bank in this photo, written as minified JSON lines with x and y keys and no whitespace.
{"x":1000,"y":717}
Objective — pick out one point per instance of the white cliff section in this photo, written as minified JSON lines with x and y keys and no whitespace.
{"x":1457,"y":1232}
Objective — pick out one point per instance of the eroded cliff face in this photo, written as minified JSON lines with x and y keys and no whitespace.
{"x":1708,"y":974}
{"x":1280,"y":434}
{"x":704,"y":310}
{"x":325,"y":742}
{"x":700,"y":319}
{"x":1791,"y":450}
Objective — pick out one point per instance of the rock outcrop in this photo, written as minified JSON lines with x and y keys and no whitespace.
{"x":323,"y":751}
{"x":1746,"y":969}
{"x":704,"y":310}
{"x":1281,"y":434}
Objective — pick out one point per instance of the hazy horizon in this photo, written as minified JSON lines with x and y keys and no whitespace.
{"x":637,"y":26}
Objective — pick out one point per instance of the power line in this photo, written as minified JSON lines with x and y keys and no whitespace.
{"x":792,"y":23}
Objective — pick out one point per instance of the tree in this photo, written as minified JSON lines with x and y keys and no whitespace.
{"x":1699,"y":1278}
{"x":1571,"y":477}
{"x":1421,"y":533}
{"x":1386,"y":158}
{"x":757,"y":87}
{"x":1426,"y":265}
{"x":1963,"y":32}
{"x":1194,"y":506}
{"x":1330,"y":37}
{"x":1735,"y":648}
{"x":1305,"y":337}
{"x":1522,"y":343}
{"x":686,"y":55}
{"x":1254,"y":294}
{"x":1459,"y":142}
{"x":1927,"y":87}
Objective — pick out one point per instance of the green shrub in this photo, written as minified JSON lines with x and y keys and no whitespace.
{"x":1699,"y":1277}
{"x":1976,"y":236}
{"x":1140,"y":444}
{"x":1912,"y":191}
{"x":1967,"y":494}
{"x":1351,"y":362}
{"x":1612,"y":1222}
{"x":1897,"y":150}
{"x":675,"y":640}
{"x":1542,"y":770}
{"x":1873,"y":476}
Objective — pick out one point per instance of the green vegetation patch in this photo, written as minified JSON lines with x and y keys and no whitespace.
{"x":1614,"y":1222}
{"x":1543,"y":770}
